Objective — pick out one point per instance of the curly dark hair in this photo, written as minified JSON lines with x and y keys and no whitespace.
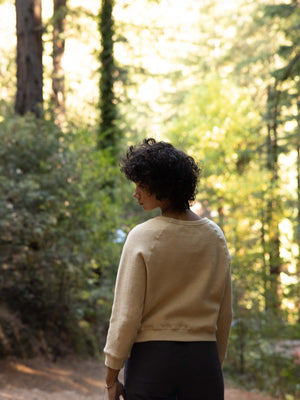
{"x":167,"y":172}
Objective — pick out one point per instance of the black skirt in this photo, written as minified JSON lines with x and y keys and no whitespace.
{"x":167,"y":370}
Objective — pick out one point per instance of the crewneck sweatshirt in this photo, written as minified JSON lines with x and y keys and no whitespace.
{"x":173,"y":284}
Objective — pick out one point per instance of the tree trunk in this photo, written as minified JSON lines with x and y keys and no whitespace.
{"x":29,"y":57}
{"x":58,"y":76}
{"x":108,"y":135}
{"x":297,"y":238}
{"x":273,"y":247}
{"x":264,"y":255}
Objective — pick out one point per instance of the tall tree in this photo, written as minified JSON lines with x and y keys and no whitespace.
{"x":108,"y":131}
{"x":29,"y":57}
{"x":297,"y":230}
{"x":58,"y":76}
{"x":272,"y":223}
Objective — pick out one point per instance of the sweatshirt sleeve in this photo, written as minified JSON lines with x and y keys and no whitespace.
{"x":224,"y":320}
{"x":127,"y":306}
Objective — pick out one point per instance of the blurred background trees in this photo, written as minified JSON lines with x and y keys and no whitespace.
{"x":79,"y":83}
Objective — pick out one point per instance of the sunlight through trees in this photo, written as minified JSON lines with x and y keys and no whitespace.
{"x":80,"y":81}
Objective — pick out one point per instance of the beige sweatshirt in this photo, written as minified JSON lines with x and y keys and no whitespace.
{"x":173,"y":284}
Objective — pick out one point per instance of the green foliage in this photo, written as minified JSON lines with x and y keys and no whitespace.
{"x":35,"y":191}
{"x":57,"y":229}
{"x":260,"y":357}
{"x":217,"y":124}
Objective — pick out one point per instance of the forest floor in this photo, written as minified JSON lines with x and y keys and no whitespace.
{"x":66,"y":379}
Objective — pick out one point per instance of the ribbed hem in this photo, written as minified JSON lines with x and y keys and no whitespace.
{"x":175,"y":335}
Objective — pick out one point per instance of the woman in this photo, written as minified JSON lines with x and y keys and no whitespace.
{"x":172,"y":313}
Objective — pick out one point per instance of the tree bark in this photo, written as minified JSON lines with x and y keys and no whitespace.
{"x":108,"y":135}
{"x":298,"y":211}
{"x":273,"y":244}
{"x":58,"y":76}
{"x":29,"y":57}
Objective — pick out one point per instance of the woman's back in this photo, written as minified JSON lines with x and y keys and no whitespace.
{"x":187,"y":264}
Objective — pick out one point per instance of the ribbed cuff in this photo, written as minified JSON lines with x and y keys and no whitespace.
{"x":114,"y":363}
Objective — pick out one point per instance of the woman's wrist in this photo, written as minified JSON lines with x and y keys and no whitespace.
{"x":111,"y":378}
{"x":110,"y":385}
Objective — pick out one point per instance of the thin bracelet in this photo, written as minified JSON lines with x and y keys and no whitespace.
{"x":110,"y":386}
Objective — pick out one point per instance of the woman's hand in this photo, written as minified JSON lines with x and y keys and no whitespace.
{"x":115,"y":391}
{"x":114,"y":388}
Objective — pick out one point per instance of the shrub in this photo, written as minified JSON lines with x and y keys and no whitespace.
{"x":56,"y":229}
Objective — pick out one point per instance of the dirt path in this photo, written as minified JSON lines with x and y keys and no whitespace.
{"x":67,"y":379}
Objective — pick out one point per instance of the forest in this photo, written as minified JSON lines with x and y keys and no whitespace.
{"x":79,"y":82}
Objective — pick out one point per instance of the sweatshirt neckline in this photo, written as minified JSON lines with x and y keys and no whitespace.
{"x":201,"y":221}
